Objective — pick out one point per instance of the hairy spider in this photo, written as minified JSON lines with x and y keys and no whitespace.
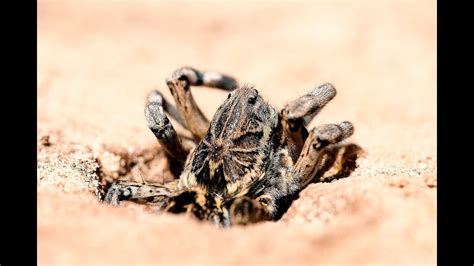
{"x":246,"y":165}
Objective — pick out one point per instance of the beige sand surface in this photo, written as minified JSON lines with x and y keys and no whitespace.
{"x":98,"y":59}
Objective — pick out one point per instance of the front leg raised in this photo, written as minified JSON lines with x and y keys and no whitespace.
{"x":165,"y":133}
{"x":297,"y":114}
{"x":179,"y":84}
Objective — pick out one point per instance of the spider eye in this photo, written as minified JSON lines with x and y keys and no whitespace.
{"x":252,"y":99}
{"x":264,"y":201}
{"x":228,"y":96}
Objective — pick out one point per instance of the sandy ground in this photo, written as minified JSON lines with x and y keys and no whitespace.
{"x":98,"y":60}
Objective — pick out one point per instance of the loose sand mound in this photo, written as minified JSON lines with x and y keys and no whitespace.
{"x":98,"y":60}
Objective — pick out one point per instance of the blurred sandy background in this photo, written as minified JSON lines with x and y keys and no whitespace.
{"x":97,"y":60}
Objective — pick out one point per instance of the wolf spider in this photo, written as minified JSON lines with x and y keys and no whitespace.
{"x":247,"y":164}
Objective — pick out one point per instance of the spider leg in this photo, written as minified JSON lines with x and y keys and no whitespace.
{"x":318,"y":139}
{"x":165,"y":133}
{"x":139,"y":192}
{"x":338,"y":161}
{"x":245,"y":210}
{"x":199,"y":203}
{"x":169,"y":108}
{"x":179,"y":84}
{"x":297,"y":114}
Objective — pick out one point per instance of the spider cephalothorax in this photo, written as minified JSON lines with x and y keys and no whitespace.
{"x":237,"y":145}
{"x":246,"y":164}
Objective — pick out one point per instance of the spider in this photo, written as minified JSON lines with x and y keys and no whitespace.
{"x":244,"y":166}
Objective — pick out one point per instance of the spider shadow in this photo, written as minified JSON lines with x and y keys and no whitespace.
{"x":338,"y":161}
